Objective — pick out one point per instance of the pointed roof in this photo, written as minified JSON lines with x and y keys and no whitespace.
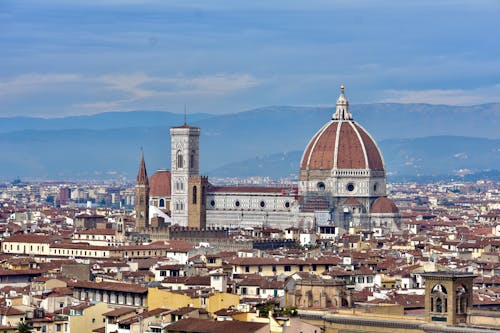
{"x":142,"y":175}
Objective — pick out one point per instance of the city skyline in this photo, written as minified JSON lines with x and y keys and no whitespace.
{"x":64,"y":59}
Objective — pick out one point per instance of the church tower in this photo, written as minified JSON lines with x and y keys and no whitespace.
{"x":185,"y":149}
{"x":142,"y":197}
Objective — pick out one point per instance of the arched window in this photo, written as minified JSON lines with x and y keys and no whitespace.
{"x":162,"y":202}
{"x":439,"y":305}
{"x":191,"y":160}
{"x":195,"y":194}
{"x":180,"y":160}
{"x":439,"y":299}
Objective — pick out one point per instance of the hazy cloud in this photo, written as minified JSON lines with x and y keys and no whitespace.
{"x":139,"y":86}
{"x":445,"y":96}
{"x":26,"y":83}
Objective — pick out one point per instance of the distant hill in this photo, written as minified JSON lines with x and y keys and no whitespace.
{"x":108,"y":145}
{"x":107,"y":120}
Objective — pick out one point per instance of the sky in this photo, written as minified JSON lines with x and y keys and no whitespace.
{"x":61,"y":58}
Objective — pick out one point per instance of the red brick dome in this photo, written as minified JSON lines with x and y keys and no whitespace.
{"x":342,"y":144}
{"x":159,"y":184}
{"x":384,"y":205}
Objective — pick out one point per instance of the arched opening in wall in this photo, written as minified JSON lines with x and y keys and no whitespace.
{"x":191,"y":160}
{"x":462,"y":299}
{"x":195,"y":195}
{"x":439,"y":299}
{"x":162,"y":203}
{"x":321,"y":186}
{"x":180,"y":160}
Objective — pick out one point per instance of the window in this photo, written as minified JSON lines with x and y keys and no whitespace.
{"x":243,"y":291}
{"x":247,"y":269}
{"x":195,"y":194}
{"x":350,"y":187}
{"x":288,"y":268}
{"x":321,"y":186}
{"x":58,"y":327}
{"x":262,"y":204}
{"x":191,"y":160}
{"x":180,"y":160}
{"x":162,"y":203}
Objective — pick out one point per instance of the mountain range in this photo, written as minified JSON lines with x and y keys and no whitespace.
{"x":416,"y":140}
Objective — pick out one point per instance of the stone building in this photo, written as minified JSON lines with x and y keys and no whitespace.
{"x":342,"y":174}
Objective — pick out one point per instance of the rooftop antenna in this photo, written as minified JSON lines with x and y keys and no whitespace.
{"x":185,"y":115}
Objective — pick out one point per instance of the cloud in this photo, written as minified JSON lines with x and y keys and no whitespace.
{"x":490,"y":94}
{"x":139,"y":86}
{"x":26,"y":83}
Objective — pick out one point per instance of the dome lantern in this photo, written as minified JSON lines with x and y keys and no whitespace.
{"x":342,"y":108}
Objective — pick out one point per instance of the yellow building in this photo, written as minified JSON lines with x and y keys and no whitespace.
{"x":212,"y":301}
{"x":87,"y":317}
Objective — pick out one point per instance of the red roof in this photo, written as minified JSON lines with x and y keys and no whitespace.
{"x":384,"y":205}
{"x":246,"y":189}
{"x":159,"y":184}
{"x":355,"y":148}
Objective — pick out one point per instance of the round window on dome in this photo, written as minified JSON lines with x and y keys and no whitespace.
{"x":212,"y":203}
{"x":321,"y":186}
{"x":262,"y":204}
{"x":350,"y":187}
{"x":237,"y":203}
{"x":287,"y":204}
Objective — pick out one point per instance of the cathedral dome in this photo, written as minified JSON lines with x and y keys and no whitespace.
{"x":159,"y":184}
{"x":384,"y":205}
{"x":341,"y":144}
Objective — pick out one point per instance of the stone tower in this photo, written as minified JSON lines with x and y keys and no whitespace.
{"x":142,"y":197}
{"x":185,"y":149}
{"x":448,"y":295}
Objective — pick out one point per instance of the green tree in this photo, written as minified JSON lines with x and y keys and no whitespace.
{"x":23,"y":327}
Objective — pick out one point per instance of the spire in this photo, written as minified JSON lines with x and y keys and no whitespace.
{"x":342,"y":109}
{"x":185,"y":115}
{"x":142,"y":175}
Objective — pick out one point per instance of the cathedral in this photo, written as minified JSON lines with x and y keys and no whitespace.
{"x":341,"y":185}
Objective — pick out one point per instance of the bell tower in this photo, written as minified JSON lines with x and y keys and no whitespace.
{"x":142,"y":197}
{"x":185,"y":149}
{"x":448,"y":295}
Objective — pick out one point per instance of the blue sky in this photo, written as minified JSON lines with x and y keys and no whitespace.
{"x":60,"y":58}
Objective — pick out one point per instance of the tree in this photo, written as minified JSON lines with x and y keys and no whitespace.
{"x":23,"y":327}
